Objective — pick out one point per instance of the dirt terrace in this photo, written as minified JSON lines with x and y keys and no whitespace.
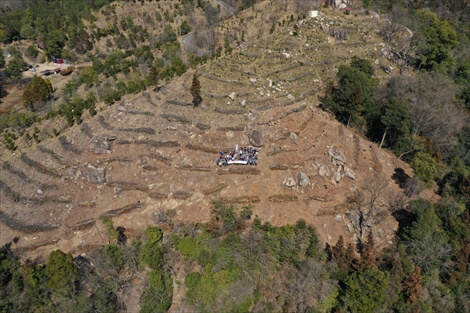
{"x":162,"y":153}
{"x":162,"y":159}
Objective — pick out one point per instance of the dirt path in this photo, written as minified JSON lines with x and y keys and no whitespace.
{"x":13,"y":101}
{"x":187,"y":41}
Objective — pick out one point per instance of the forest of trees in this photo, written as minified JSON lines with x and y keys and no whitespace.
{"x":247,"y":265}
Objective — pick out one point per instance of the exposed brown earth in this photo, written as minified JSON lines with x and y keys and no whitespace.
{"x":144,"y":178}
{"x":162,"y":151}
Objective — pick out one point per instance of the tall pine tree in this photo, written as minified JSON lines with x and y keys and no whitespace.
{"x":196,"y":91}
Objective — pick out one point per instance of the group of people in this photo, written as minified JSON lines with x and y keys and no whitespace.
{"x":243,"y":156}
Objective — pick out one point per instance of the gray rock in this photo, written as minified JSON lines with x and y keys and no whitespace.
{"x":161,"y":217}
{"x":324,"y":170}
{"x":387,"y":69}
{"x":337,"y":175}
{"x":337,"y":157}
{"x":202,"y":126}
{"x":289,"y":182}
{"x":93,"y":174}
{"x":256,"y":138}
{"x":294,"y":138}
{"x":355,"y":219}
{"x":380,"y":233}
{"x":101,"y":144}
{"x":117,"y":190}
{"x":349,"y":173}
{"x":303,"y":179}
{"x":252,"y":115}
{"x":122,"y":107}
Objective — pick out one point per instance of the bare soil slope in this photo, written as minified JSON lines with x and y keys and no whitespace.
{"x":159,"y":152}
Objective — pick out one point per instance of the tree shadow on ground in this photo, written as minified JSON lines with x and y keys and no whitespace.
{"x":400,"y":177}
{"x":403,"y":216}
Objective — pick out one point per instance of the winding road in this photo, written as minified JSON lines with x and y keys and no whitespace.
{"x":227,"y":8}
{"x":188,"y":42}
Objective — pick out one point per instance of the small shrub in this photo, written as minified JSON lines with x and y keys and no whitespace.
{"x":32,"y":52}
{"x":191,"y":281}
{"x":9,"y":141}
{"x":158,"y":296}
{"x":152,"y":252}
{"x":113,"y":255}
{"x":425,"y":167}
{"x":112,"y":232}
{"x":187,"y":247}
{"x":67,"y":71}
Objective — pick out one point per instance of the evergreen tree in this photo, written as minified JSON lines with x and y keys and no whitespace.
{"x":15,"y":68}
{"x":363,"y":65}
{"x":367,"y":254}
{"x":434,"y":40}
{"x":27,"y":27}
{"x":61,"y":270}
{"x":196,"y":91}
{"x":38,"y":90}
{"x":337,"y":251}
{"x":185,"y":28}
{"x":425,"y":167}
{"x":341,"y":255}
{"x":365,"y":290}
{"x":2,"y":59}
{"x":350,"y":99}
{"x":153,"y":76}
{"x":396,"y":120}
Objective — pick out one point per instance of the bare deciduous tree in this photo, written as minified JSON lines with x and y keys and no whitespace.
{"x":367,"y":206}
{"x":301,"y":288}
{"x":434,"y":113}
{"x":301,"y":6}
{"x":392,"y":25}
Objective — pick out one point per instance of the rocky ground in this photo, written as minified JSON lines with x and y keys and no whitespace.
{"x":146,"y":156}
{"x":150,"y":159}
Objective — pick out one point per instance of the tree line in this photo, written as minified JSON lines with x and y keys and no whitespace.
{"x":237,"y":263}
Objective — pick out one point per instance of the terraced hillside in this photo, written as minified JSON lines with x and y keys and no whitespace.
{"x":150,"y":159}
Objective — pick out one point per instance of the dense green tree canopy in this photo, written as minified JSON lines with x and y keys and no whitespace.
{"x":15,"y":68}
{"x":2,"y":59}
{"x":439,"y":39}
{"x":352,"y":94}
{"x":365,"y":290}
{"x":60,"y":270}
{"x":425,"y":168}
{"x":396,"y":119}
{"x":37,"y":91}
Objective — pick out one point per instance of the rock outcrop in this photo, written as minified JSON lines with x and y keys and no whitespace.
{"x":337,"y":157}
{"x":93,"y":174}
{"x":102,"y":144}
{"x":289,"y":182}
{"x":294,"y":138}
{"x":256,"y":138}
{"x":303,"y":179}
